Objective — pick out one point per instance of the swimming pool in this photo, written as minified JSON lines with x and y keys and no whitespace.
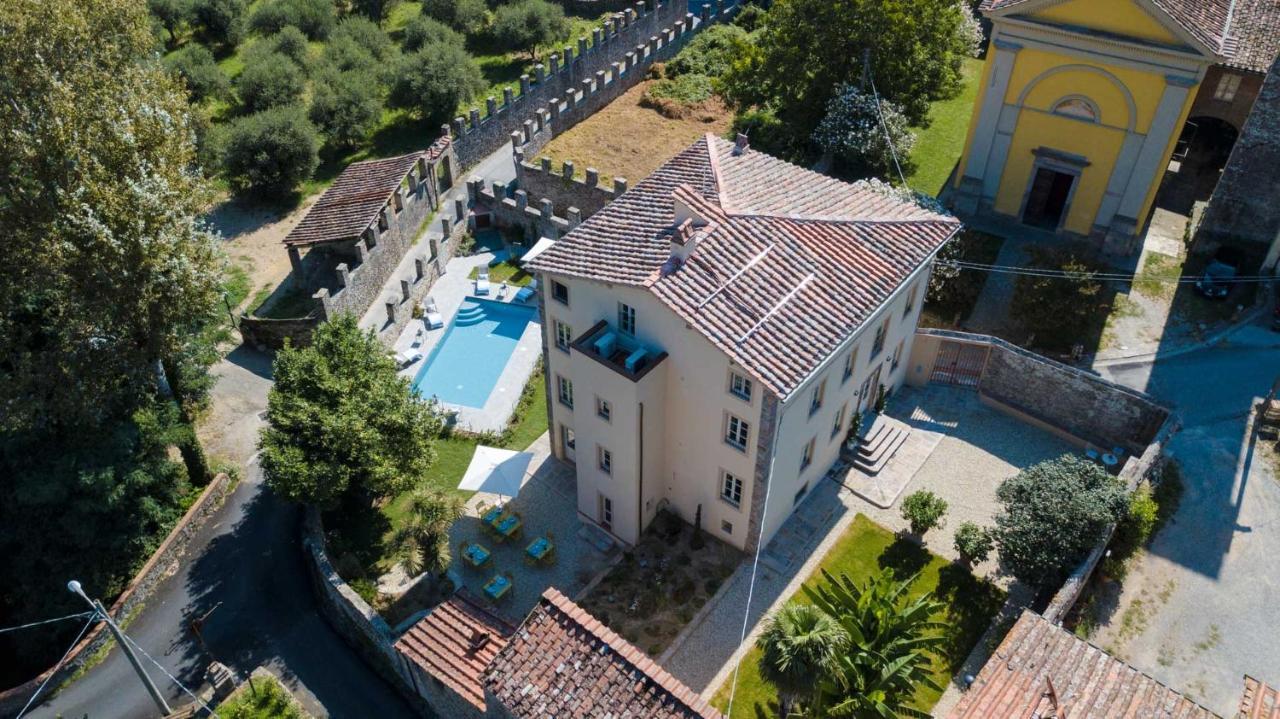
{"x":466,"y":364}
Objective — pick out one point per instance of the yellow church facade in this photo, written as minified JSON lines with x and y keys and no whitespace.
{"x":1079,"y":109}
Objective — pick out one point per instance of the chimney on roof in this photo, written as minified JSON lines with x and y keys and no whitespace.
{"x":740,"y":144}
{"x":478,"y":640}
{"x":687,"y":231}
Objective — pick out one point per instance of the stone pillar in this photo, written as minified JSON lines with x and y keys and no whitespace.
{"x":706,"y":14}
{"x":459,"y":126}
{"x":475,"y":118}
{"x":544,"y":162}
{"x":362,"y":251}
{"x":524,"y":85}
{"x":344,"y":274}
{"x":600,"y":77}
{"x":587,"y":89}
{"x":593,"y":177}
{"x":631,"y":62}
{"x":499,"y":191}
{"x":522,"y":199}
{"x":619,"y":185}
{"x":491,"y":105}
{"x":574,"y":216}
{"x":568,"y":169}
{"x":1149,"y":166}
{"x":419,"y":268}
{"x":516,"y":140}
{"x":295,"y":261}
{"x":546,"y":208}
{"x":540,"y":72}
{"x":459,"y":209}
{"x":596,"y":35}
{"x":981,"y":168}
{"x":582,"y":46}
{"x":326,"y":303}
{"x":404,"y":290}
{"x":391,"y":312}
{"x":528,"y":130}
{"x":446,"y":227}
{"x":508,"y":97}
{"x":474,"y":185}
{"x":570,"y":99}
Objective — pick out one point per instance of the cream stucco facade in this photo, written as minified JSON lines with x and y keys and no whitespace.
{"x":666,"y":427}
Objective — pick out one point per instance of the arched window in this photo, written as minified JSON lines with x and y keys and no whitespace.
{"x":1077,"y":107}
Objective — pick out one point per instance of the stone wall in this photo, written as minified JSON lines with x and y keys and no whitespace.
{"x":576,"y":82}
{"x":156,"y":570}
{"x":368,"y":633}
{"x":565,"y":188}
{"x":1243,"y":208}
{"x":264,"y":333}
{"x":511,"y":209}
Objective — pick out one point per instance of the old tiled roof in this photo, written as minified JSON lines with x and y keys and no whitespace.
{"x":1245,"y":34}
{"x":1259,"y":700}
{"x":563,"y":663}
{"x":790,"y":263}
{"x":1042,"y":670}
{"x":455,"y":643}
{"x":353,"y":202}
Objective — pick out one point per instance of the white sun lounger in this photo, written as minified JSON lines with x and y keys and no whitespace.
{"x":408,"y":357}
{"x":432,"y":317}
{"x":482,"y":283}
{"x":526,"y":293}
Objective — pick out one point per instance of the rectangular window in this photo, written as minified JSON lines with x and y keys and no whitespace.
{"x":731,"y":489}
{"x":565,"y":390}
{"x":739,"y":386}
{"x":736,"y":432}
{"x":800,"y":495}
{"x":897,"y":354}
{"x":726,"y":526}
{"x":1227,"y":87}
{"x":850,"y":362}
{"x":838,"y":424}
{"x":564,"y":335}
{"x":881,"y":332}
{"x":604,"y":410}
{"x":560,"y":292}
{"x":626,"y":319}
{"x":606,"y":512}
{"x":911,"y":301}
{"x":604,"y":458}
{"x":819,"y":393}
{"x":806,"y":457}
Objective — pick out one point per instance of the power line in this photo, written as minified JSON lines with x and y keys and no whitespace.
{"x":1092,"y":275}
{"x":751,"y":588}
{"x":172,"y":678}
{"x":58,"y":666}
{"x":81,"y":615}
{"x":892,"y":150}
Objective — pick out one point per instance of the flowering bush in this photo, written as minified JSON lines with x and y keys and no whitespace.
{"x":852,"y":131}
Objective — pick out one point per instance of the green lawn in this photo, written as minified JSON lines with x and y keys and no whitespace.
{"x":510,"y":272}
{"x":865,"y":548}
{"x":938,"y":146}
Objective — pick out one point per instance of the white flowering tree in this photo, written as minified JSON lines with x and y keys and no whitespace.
{"x":863,"y":137}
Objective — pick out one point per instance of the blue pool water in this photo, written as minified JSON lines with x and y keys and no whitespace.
{"x":466,"y":364}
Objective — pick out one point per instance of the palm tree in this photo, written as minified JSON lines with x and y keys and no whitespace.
{"x":798,"y":644}
{"x":889,"y":643}
{"x":422,"y":542}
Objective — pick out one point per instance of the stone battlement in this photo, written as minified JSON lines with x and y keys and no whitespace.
{"x":565,"y":187}
{"x":512,"y":209}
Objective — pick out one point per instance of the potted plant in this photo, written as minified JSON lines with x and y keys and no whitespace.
{"x":923,"y":510}
{"x":855,"y":432}
{"x":973,"y":543}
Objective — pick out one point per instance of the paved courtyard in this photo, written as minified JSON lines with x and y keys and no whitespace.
{"x":977,"y":448}
{"x":547,"y":503}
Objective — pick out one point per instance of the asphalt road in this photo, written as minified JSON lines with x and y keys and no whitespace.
{"x":247,"y":572}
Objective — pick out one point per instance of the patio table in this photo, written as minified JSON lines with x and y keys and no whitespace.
{"x":508,"y":526}
{"x":497,"y":587}
{"x":476,"y":554}
{"x":540,"y":548}
{"x":492,"y":515}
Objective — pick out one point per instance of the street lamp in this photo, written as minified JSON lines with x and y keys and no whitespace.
{"x":74,"y":587}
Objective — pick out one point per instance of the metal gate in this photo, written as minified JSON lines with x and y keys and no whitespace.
{"x":959,"y":363}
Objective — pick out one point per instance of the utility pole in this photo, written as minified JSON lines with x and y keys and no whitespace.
{"x":74,"y":587}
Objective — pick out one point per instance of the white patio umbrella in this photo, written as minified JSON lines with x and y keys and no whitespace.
{"x":496,"y":471}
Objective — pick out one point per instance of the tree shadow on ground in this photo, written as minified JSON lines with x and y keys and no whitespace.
{"x":905,"y":557}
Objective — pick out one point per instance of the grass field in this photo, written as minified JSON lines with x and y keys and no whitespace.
{"x":627,"y":140}
{"x":864,"y":550}
{"x":267,"y":699}
{"x":938,"y":146}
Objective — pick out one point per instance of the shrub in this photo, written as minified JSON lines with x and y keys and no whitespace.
{"x":170,"y":14}
{"x":433,"y":81}
{"x":526,"y":24}
{"x":271,"y":151}
{"x":682,"y":90}
{"x":367,"y":36}
{"x":1052,"y":514}
{"x":315,"y":18}
{"x":465,"y":16}
{"x":710,"y":53}
{"x":923,"y":510}
{"x":750,"y":17}
{"x":376,"y":10}
{"x":423,"y":31}
{"x":220,"y":21}
{"x":270,"y":80}
{"x":291,"y":43}
{"x":345,"y":106}
{"x":345,"y":54}
{"x":973,"y":543}
{"x":767,"y":132}
{"x":882,"y":400}
{"x":196,"y":66}
{"x":854,"y":131}
{"x":1057,"y":310}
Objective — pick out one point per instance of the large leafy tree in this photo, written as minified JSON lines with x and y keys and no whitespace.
{"x":270,"y":152}
{"x":107,"y":266}
{"x":340,"y":419}
{"x":808,"y":49}
{"x":422,"y":542}
{"x":799,"y":643}
{"x":1052,"y":515}
{"x":890,"y":638}
{"x":526,"y":24}
{"x":433,"y":81}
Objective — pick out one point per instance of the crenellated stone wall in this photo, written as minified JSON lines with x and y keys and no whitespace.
{"x":566,"y":188}
{"x":512,"y":209}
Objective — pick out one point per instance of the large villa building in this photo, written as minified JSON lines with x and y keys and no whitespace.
{"x":710,"y":333}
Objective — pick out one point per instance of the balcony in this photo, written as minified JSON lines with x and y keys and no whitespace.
{"x":622,"y":354}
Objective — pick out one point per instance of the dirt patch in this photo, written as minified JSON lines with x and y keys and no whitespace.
{"x":626,"y":139}
{"x":253,"y":238}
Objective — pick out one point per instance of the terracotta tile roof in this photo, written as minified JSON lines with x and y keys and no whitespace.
{"x":1259,"y":701}
{"x":1042,"y":670}
{"x":789,"y":263}
{"x":444,"y":644}
{"x":563,"y":663}
{"x":353,"y":202}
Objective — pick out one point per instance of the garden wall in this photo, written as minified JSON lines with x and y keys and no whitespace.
{"x":265,"y":333}
{"x":565,"y":188}
{"x":135,"y":595}
{"x":511,"y":209}
{"x":368,"y":633}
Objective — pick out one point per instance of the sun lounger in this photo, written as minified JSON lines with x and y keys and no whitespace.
{"x":408,"y":357}
{"x":482,"y":283}
{"x":502,"y":291}
{"x":417,"y":339}
{"x":527,"y":292}
{"x":432,"y":317}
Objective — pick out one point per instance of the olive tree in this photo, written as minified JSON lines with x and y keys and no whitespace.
{"x":433,"y":81}
{"x":527,"y":24}
{"x":270,"y":152}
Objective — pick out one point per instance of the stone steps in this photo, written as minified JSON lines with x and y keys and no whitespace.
{"x":885,"y":447}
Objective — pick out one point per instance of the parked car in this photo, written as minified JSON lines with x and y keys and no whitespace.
{"x":1219,"y":277}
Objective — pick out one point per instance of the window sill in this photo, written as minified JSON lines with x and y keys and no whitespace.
{"x":737,"y":506}
{"x":741,"y":449}
{"x":744,"y":398}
